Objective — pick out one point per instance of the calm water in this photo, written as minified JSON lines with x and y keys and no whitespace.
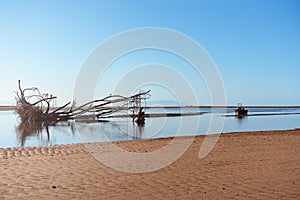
{"x":14,"y":134}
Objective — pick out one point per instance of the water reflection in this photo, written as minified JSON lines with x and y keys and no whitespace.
{"x":118,"y":130}
{"x":241,"y":120}
{"x":16,"y":134}
{"x":26,"y":129}
{"x":139,"y":131}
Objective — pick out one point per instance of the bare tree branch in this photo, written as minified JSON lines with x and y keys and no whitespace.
{"x":36,"y":107}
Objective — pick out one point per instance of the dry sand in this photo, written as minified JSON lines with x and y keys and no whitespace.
{"x":258,"y":165}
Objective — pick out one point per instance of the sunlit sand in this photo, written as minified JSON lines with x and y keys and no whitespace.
{"x":255,"y":165}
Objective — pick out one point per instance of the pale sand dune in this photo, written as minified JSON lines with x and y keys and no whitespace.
{"x":262,"y":165}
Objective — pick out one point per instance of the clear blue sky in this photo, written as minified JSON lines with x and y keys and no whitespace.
{"x":254,"y":43}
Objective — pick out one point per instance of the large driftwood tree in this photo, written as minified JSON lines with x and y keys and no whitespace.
{"x":35,"y":107}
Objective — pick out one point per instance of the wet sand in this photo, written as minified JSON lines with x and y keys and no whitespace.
{"x":255,"y":165}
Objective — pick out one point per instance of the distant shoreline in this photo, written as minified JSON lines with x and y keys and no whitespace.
{"x":8,"y":108}
{"x":229,"y":106}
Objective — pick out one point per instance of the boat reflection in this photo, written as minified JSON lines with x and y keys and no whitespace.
{"x":241,"y":120}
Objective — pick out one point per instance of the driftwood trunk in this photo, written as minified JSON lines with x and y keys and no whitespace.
{"x":34,"y":107}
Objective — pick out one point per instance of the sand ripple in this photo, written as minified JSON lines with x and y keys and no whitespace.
{"x":264,"y":165}
{"x":45,"y":151}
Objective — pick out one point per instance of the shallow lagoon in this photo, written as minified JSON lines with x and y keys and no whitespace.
{"x":12,"y":135}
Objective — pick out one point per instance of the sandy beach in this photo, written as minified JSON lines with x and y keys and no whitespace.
{"x":255,"y":165}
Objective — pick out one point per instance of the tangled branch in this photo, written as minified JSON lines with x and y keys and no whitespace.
{"x":34,"y":107}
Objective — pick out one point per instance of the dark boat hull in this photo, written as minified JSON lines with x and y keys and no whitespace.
{"x":241,"y":112}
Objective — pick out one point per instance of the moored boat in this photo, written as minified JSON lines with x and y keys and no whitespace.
{"x":240,"y":111}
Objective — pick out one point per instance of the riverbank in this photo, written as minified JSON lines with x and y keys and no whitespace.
{"x":253,"y":165}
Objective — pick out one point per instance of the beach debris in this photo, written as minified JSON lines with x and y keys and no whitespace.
{"x":34,"y":107}
{"x":140,"y":117}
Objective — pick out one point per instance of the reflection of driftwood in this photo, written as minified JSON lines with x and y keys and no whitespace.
{"x":36,"y":107}
{"x":26,"y":129}
{"x":41,"y":131}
